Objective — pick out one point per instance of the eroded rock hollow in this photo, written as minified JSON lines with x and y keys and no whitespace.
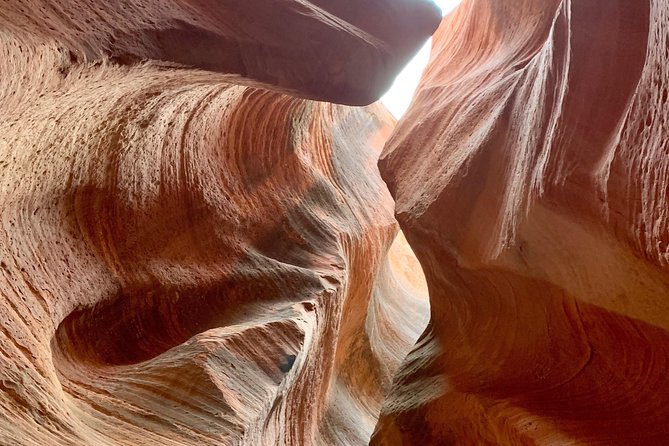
{"x":531,"y":177}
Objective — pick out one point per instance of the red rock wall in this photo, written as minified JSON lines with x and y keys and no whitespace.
{"x":531,"y":179}
{"x":186,"y":257}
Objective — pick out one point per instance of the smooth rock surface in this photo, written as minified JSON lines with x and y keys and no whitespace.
{"x":531,"y":176}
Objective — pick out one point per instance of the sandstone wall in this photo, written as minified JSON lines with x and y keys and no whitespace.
{"x":193,"y":249}
{"x":531,"y":179}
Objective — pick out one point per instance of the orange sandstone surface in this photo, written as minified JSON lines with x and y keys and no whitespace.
{"x":531,"y":178}
{"x":193,"y":250}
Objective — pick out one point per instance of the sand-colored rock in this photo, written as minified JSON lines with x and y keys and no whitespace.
{"x":531,"y":177}
{"x":187,"y":258}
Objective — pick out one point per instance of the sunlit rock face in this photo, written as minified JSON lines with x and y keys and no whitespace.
{"x":532,"y":178}
{"x":189,"y":255}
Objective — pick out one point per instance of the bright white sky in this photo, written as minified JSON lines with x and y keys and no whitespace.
{"x":398,"y":98}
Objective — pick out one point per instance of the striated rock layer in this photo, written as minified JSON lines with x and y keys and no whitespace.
{"x":532,"y":179}
{"x":186,"y":257}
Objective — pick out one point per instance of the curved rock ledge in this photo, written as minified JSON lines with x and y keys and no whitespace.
{"x":345,"y":51}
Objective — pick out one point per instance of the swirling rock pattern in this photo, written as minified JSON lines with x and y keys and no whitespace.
{"x":188,"y":255}
{"x":531,"y":176}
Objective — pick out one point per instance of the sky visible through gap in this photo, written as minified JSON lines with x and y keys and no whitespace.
{"x":398,"y":98}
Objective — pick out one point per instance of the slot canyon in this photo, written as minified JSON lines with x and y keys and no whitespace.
{"x":212,"y":233}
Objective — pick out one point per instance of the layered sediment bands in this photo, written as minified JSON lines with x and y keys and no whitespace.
{"x":344,"y":51}
{"x":531,"y":178}
{"x":185,"y":257}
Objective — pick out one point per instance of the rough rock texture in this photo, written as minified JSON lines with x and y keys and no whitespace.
{"x":187,"y":258}
{"x":532,"y":180}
